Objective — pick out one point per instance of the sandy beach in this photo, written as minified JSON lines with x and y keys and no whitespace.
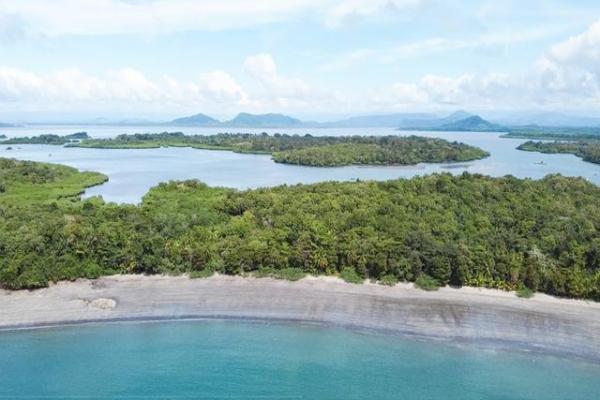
{"x":543,"y":323}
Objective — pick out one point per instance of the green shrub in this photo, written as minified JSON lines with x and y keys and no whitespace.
{"x":202,"y":273}
{"x":351,"y":276}
{"x":264,"y":272}
{"x":426,"y":282}
{"x":524,"y":292}
{"x":389,"y":280}
{"x":290,"y":274}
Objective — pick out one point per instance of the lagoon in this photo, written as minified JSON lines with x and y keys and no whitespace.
{"x":132,"y":172}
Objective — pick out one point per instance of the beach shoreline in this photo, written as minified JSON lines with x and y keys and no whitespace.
{"x":543,"y":323}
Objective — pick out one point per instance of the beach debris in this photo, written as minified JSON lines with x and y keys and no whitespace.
{"x":101,"y":303}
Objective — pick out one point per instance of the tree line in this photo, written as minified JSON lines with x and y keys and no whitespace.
{"x":50,"y":138}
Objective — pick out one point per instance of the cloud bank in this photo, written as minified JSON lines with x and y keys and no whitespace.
{"x":566,"y":75}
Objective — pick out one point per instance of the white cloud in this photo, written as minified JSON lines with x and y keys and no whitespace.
{"x":213,"y":90}
{"x":344,"y":10}
{"x":398,"y":96}
{"x":583,"y":48}
{"x":566,"y":76}
{"x":571,"y":69}
{"x":405,"y":51}
{"x":70,"y":87}
{"x":105,"y":17}
{"x":280,"y":90}
{"x":16,"y":84}
{"x":261,"y":66}
{"x":98,"y":17}
{"x":221,"y":87}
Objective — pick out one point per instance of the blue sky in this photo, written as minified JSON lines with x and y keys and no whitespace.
{"x":75,"y":59}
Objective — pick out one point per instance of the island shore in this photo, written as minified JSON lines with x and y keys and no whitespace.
{"x":543,"y":323}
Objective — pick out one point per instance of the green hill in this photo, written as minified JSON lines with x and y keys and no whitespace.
{"x":196,"y":120}
{"x":262,"y":121}
{"x":474,"y":123}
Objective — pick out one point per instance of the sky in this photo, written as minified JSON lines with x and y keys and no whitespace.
{"x":314,"y":59}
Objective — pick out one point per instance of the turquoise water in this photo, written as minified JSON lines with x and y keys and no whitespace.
{"x":233,"y":360}
{"x":133,"y":172}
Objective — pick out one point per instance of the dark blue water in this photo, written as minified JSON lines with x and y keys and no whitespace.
{"x":233,"y":360}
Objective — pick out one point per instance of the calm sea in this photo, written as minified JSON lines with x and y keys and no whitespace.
{"x":235,"y":360}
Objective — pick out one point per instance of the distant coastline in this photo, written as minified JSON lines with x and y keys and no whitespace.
{"x":483,"y":316}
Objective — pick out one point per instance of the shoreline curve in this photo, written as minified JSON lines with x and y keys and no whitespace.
{"x":467,"y":315}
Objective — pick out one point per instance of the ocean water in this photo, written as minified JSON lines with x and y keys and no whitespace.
{"x":239,"y":360}
{"x":133,"y":172}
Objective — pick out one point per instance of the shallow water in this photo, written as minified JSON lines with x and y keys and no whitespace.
{"x":132,"y":172}
{"x":227,"y":359}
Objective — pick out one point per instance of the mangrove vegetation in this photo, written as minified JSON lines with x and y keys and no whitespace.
{"x":588,"y":150}
{"x":554,"y":133}
{"x":47,"y":139}
{"x":308,"y":150}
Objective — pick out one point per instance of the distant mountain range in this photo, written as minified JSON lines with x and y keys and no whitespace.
{"x":377,"y":121}
{"x":399,"y":120}
{"x":263,"y":121}
{"x":472,"y":123}
{"x":196,"y":120}
{"x":434,"y":122}
{"x":242,"y":120}
{"x":457,"y":121}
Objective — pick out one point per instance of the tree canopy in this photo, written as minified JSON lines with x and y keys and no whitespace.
{"x":473,"y":230}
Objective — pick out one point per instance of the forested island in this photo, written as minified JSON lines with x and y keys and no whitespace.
{"x":401,"y":151}
{"x":47,"y":139}
{"x":440,"y":229}
{"x":554,"y":133}
{"x":588,"y":150}
{"x":323,"y":151}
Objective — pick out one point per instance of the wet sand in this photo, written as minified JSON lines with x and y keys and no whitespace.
{"x":470,"y":315}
